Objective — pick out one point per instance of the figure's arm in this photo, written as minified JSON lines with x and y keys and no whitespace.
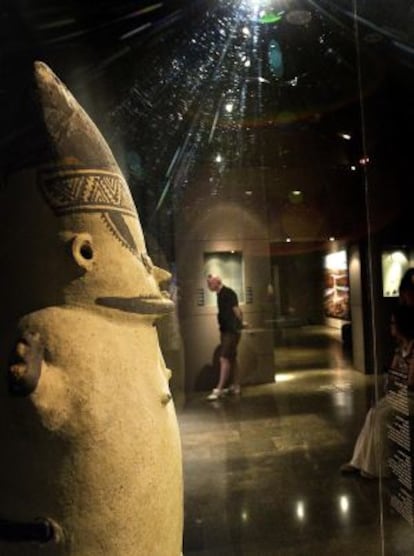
{"x":25,"y":364}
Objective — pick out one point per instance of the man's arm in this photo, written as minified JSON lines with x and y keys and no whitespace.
{"x":237,"y":312}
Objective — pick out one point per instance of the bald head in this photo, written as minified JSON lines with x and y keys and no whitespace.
{"x":214,"y":283}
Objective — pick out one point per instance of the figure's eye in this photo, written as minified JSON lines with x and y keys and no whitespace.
{"x":83,"y":251}
{"x":146,"y":261}
{"x":86,"y":251}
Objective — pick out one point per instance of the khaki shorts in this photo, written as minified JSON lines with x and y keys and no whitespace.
{"x":229,"y":343}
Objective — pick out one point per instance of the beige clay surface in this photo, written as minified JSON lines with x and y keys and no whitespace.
{"x":94,"y":444}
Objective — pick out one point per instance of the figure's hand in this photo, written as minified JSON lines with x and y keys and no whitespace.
{"x":25,"y":364}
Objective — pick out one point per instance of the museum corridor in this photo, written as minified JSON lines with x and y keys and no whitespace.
{"x":262,"y":471}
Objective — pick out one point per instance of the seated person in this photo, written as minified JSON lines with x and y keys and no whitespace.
{"x":371,"y":451}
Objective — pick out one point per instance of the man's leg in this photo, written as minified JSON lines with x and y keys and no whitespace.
{"x":235,"y":382}
{"x":235,"y":370}
{"x":225,"y":367}
{"x":224,"y":372}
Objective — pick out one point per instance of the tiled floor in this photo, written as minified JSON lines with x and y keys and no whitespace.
{"x":261,"y":471}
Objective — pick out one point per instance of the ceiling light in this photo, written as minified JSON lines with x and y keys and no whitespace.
{"x":295,"y":196}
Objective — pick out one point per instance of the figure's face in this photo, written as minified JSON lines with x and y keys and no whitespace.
{"x":76,"y":234}
{"x":213,"y":284}
{"x":118,"y":272}
{"x":71,"y":244}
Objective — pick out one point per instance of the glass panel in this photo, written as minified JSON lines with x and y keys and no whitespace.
{"x":258,"y":138}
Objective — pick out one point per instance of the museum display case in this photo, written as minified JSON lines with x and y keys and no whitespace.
{"x":264,"y":141}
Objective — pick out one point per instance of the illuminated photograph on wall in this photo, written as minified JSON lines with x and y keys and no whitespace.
{"x":229,"y":266}
{"x":336,"y":288}
{"x":394,"y":263}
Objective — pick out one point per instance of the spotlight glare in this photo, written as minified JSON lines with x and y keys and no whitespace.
{"x":344,"y":504}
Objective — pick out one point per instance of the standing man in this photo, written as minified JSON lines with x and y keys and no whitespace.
{"x":230,"y":322}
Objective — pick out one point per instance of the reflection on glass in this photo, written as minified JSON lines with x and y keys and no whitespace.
{"x":344,"y":504}
{"x":300,"y":510}
{"x":341,"y":398}
{"x":275,"y":59}
{"x":283,"y":377}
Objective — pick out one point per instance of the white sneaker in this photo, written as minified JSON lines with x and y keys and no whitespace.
{"x":215,"y":394}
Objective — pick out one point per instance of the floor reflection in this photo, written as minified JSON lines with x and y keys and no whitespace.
{"x":310,"y":347}
{"x":261,"y":471}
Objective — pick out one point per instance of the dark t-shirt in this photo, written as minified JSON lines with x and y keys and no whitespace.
{"x":226,"y":300}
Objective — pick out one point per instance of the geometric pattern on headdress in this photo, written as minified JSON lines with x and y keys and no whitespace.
{"x":85,"y":190}
{"x":81,"y":190}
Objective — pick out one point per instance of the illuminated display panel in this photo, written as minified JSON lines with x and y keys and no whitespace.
{"x":336,"y":287}
{"x":394,"y":264}
{"x":229,"y":266}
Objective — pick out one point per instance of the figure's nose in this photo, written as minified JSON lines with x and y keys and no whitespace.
{"x":161,"y":275}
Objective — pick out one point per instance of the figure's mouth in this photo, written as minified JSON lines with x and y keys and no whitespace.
{"x":141,"y":305}
{"x":42,"y":530}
